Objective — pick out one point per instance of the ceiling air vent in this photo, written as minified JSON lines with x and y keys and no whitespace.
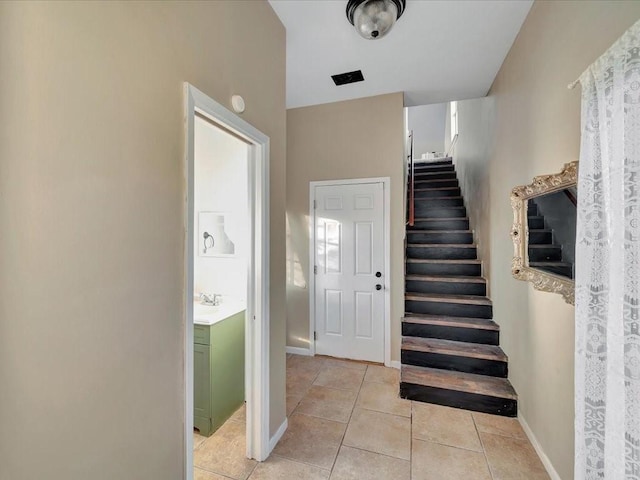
{"x":349,"y":77}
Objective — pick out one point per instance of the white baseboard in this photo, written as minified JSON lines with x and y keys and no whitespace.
{"x":394,"y":364}
{"x":538,"y":448}
{"x":299,"y":351}
{"x":273,"y":441}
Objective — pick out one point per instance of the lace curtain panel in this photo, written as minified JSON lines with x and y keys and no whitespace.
{"x":608,"y":269}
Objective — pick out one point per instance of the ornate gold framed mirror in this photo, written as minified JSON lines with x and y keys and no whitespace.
{"x":544,"y":232}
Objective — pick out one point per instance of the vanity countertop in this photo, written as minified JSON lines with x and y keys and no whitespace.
{"x":210,"y":315}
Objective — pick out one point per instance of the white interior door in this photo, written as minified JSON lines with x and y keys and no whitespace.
{"x":349,"y":266}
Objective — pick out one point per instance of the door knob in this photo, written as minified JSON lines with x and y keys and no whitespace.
{"x":378,"y":287}
{"x":378,"y":274}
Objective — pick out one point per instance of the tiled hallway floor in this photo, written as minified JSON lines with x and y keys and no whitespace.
{"x":346,"y":422}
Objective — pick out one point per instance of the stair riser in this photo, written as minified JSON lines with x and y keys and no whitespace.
{"x":440,"y":202}
{"x":535,"y":223}
{"x":532,"y":209}
{"x":435,"y":168}
{"x":479,"y":366}
{"x":464,"y":269}
{"x":454,"y":192}
{"x":453,"y":224}
{"x":451,"y":398}
{"x":545,"y":254}
{"x":424,"y":210}
{"x":435,"y":184}
{"x":447,"y":288}
{"x":465,"y":238}
{"x":540,"y":238}
{"x":448,"y":309}
{"x":442,"y":253}
{"x":435,"y":163}
{"x":469,"y":335}
{"x":427,"y":175}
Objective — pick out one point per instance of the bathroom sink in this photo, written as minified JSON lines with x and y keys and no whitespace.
{"x":211,"y":314}
{"x":199,"y":308}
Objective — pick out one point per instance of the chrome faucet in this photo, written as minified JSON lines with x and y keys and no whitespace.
{"x":210,"y":299}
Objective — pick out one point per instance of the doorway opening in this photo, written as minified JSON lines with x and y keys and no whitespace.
{"x":226,"y":280}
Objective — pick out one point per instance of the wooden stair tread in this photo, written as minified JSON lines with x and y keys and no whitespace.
{"x":454,"y":322}
{"x":458,"y":381}
{"x":437,"y":179}
{"x":444,"y":245}
{"x":435,"y":188}
{"x":442,"y":298}
{"x":452,"y":347}
{"x":446,"y":278}
{"x":428,"y":172}
{"x":429,"y":199}
{"x":437,"y":260}
{"x":438,"y":219}
{"x":416,"y":230}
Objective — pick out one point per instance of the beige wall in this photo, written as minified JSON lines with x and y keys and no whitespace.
{"x":471,"y":154}
{"x":92,"y":223}
{"x":354,"y":139}
{"x":536,"y":131}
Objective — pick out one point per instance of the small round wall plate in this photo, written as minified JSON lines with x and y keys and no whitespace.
{"x":237,"y":102}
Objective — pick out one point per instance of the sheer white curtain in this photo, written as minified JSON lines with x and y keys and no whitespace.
{"x":608,"y":267}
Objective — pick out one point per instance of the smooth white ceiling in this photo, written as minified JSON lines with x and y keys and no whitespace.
{"x":437,"y":51}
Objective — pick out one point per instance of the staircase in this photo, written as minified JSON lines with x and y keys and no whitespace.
{"x":450,"y":354}
{"x":543,"y":253}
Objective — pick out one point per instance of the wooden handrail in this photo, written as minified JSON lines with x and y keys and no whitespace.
{"x":411,"y":183}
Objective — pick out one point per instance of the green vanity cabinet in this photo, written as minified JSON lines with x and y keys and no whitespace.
{"x":218,"y":372}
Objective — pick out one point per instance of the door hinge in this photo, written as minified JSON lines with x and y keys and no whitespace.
{"x":315,"y":335}
{"x":315,"y":204}
{"x":315,"y":269}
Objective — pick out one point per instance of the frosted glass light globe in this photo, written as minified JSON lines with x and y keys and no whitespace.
{"x":374,"y":18}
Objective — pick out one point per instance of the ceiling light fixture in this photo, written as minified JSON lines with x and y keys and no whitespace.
{"x":374,"y":18}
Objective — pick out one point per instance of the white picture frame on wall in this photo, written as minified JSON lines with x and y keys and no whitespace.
{"x":215,"y":238}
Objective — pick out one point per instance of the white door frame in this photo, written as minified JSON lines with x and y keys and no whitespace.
{"x":386,"y":225}
{"x":257,"y":315}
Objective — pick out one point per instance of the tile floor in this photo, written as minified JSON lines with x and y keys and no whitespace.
{"x":346,"y":422}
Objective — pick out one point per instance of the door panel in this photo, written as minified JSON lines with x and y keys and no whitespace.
{"x":349,"y":251}
{"x":364,"y":248}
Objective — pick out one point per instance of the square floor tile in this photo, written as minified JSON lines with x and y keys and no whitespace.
{"x":278,"y":468}
{"x":292,"y":403}
{"x":498,"y":425}
{"x":432,"y":461}
{"x":445,"y":425}
{"x":330,"y":362}
{"x":383,"y":397}
{"x":199,"y":474}
{"x":380,"y":374}
{"x":355,"y":464}
{"x":329,"y":403}
{"x":311,"y":440}
{"x":512,"y":458}
{"x":224,"y":452}
{"x":299,"y":380}
{"x":379,"y":433}
{"x":198,"y":439}
{"x":340,"y":377}
{"x":240,"y":415}
{"x":301,"y":362}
